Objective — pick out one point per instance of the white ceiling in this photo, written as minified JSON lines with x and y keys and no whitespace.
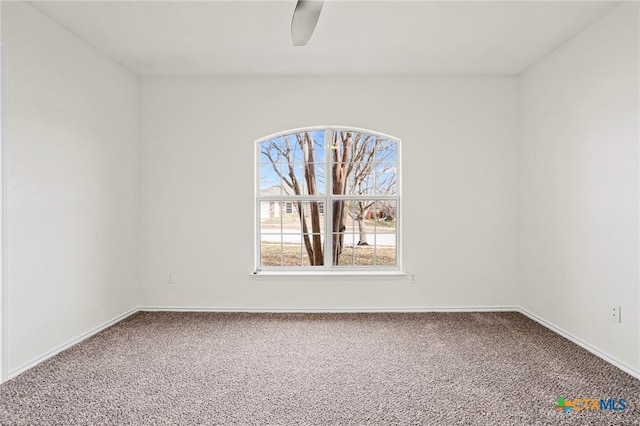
{"x":171,"y":38}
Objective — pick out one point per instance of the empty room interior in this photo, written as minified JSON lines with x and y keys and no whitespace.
{"x":307,"y":212}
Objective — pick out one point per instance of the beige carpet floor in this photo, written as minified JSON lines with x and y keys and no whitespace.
{"x":319,"y":369}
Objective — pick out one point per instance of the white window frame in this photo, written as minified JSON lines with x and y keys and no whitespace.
{"x":327,"y":199}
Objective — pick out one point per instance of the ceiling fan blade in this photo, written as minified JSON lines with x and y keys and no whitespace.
{"x":304,"y":20}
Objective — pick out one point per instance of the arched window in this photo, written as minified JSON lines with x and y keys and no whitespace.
{"x":328,"y":198}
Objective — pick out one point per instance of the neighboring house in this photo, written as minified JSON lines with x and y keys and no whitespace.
{"x":381,"y":210}
{"x":271,"y":209}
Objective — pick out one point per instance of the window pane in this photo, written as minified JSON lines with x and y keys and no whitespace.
{"x":283,"y":242}
{"x":312,"y":250}
{"x":292,"y":252}
{"x":302,"y":216}
{"x":353,"y":254}
{"x":361,"y":168}
{"x":383,"y":216}
{"x":271,"y":162}
{"x":340,"y":178}
{"x":305,"y":146}
{"x":314,"y":179}
{"x":293,"y":164}
{"x":386,"y":182}
{"x":386,"y":151}
{"x":271,"y":233}
{"x":385,"y":250}
{"x":286,"y":253}
{"x":271,"y":217}
{"x":308,"y":178}
{"x":358,"y":218}
{"x":345,"y":257}
{"x":270,"y":183}
{"x":270,"y":254}
{"x":363,"y":164}
{"x":364,"y":232}
{"x":353,"y":227}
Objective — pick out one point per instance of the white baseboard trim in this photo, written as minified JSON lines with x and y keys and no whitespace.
{"x":622,"y":366}
{"x":331,"y":310}
{"x":95,"y":330}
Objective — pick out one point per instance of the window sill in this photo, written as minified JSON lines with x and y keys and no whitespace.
{"x":321,"y":275}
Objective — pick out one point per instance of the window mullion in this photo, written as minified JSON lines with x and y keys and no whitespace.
{"x":328,"y":205}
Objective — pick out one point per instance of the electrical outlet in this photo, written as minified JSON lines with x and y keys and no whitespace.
{"x":171,"y":278}
{"x":614,"y":313}
{"x":412,"y":278}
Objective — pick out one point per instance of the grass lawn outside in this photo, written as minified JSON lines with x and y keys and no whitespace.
{"x":296,"y":255}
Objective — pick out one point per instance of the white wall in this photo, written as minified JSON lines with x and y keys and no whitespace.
{"x":578,"y":207}
{"x":72,"y":196}
{"x":459,"y":194}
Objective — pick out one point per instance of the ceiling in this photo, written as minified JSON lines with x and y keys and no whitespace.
{"x":184,"y":38}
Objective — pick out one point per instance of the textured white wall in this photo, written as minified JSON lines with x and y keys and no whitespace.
{"x":578,"y":207}
{"x":459,"y":188}
{"x":72,"y":196}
